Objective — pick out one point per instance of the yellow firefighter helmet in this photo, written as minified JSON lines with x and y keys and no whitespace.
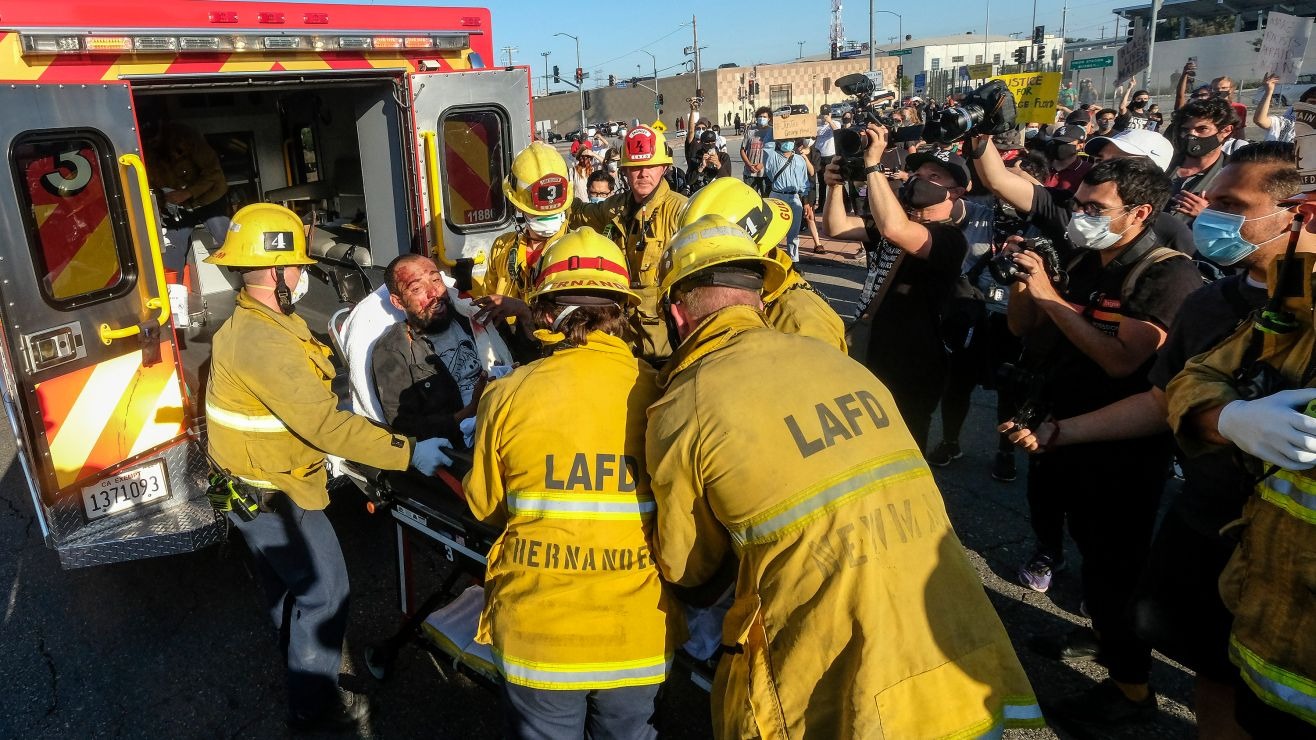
{"x":766,"y":220}
{"x":584,"y":262}
{"x":708,"y":242}
{"x":539,"y":184}
{"x":643,"y":147}
{"x":263,"y":235}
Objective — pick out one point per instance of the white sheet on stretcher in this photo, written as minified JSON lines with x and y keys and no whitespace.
{"x":452,"y":629}
{"x":374,"y":315}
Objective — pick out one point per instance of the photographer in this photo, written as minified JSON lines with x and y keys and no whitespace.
{"x":1091,"y":339}
{"x":706,"y":163}
{"x":758,"y":136}
{"x":1178,"y":607}
{"x":914,"y":256}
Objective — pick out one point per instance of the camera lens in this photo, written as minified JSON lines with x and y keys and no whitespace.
{"x":849,"y":143}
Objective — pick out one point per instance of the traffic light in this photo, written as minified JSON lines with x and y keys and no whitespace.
{"x":580,"y":75}
{"x":660,"y":98}
{"x":557,"y":78}
{"x":1041,"y":51}
{"x":588,"y":103}
{"x":900,"y":71}
{"x":1038,"y":33}
{"x":1020,"y":55}
{"x":612,"y":80}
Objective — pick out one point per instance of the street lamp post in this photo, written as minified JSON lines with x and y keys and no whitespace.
{"x":900,"y":28}
{"x":580,"y":84}
{"x":657,"y":110}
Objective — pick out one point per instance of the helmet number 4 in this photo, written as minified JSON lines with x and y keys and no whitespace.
{"x":278,"y":241}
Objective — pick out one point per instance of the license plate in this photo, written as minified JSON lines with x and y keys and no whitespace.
{"x":126,"y":489}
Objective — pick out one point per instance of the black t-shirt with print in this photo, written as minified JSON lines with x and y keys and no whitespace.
{"x":906,"y":325}
{"x":1215,"y":486}
{"x":1134,"y":120}
{"x":1075,"y":383}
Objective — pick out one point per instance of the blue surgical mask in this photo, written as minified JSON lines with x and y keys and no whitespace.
{"x":762,"y":120}
{"x":1218,"y":236}
{"x":597,"y":198}
{"x":786,"y":146}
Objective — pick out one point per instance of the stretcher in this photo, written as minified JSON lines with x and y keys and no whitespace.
{"x":432,"y":511}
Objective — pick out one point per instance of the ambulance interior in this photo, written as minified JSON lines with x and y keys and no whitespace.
{"x":333,"y":151}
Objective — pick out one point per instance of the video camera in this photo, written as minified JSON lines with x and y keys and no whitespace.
{"x":872,"y":105}
{"x":987,"y":110}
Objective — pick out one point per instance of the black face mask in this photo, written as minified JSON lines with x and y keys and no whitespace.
{"x":1060,"y":150}
{"x":1105,"y":125}
{"x":1200,"y":146}
{"x":917,"y":194}
{"x":1137,"y":105}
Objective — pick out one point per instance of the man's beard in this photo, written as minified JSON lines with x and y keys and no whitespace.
{"x":437,"y":322}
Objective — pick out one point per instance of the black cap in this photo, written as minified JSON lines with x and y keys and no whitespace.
{"x":1079,"y":117}
{"x":709,"y":136}
{"x":951,"y":162}
{"x":1072,"y":133}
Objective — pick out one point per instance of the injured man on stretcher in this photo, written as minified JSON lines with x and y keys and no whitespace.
{"x":416,"y":360}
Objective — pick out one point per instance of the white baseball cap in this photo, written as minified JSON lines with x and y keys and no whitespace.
{"x":1138,"y":142}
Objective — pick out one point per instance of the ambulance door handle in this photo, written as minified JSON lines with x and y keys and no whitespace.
{"x":161,"y":300}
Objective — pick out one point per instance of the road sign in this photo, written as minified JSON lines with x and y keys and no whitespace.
{"x":900,"y":52}
{"x":981,"y":71}
{"x":920,"y":83}
{"x":1092,"y":63}
{"x":658,"y":126}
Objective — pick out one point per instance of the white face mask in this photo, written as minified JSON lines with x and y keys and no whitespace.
{"x":1092,"y":232}
{"x":303,"y":285}
{"x":612,"y":167}
{"x":591,"y":131}
{"x":545,"y":226}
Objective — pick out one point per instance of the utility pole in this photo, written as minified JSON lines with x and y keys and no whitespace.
{"x":657,"y":109}
{"x":580,"y":84}
{"x":872,"y":49}
{"x":800,"y":55}
{"x":1032,"y":48}
{"x":545,"y":54}
{"x":987,"y":35}
{"x":699,"y":70}
{"x":1151,"y":42}
{"x":1064,"y":19}
{"x":509,"y":51}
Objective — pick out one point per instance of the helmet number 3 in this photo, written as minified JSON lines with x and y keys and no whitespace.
{"x":278,"y":241}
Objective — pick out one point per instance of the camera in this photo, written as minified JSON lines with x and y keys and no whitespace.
{"x":872,"y":105}
{"x":987,"y":110}
{"x":1006,"y":272}
{"x":1027,"y":385}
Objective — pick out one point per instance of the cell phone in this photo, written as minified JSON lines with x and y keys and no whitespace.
{"x":1192,"y":74}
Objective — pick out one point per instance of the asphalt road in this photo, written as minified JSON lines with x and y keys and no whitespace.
{"x":180,"y":647}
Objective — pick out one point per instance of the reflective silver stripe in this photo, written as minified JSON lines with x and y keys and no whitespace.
{"x":243,"y":422}
{"x":1287,"y":492}
{"x":583,"y":675}
{"x":258,"y":483}
{"x":584,"y":506}
{"x":1284,"y":690}
{"x":829,"y":498}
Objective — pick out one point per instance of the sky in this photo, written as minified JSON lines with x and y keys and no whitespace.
{"x":613,"y":34}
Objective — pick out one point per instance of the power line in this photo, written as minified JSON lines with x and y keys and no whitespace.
{"x":642,"y":47}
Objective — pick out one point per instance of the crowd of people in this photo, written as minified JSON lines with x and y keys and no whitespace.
{"x":642,"y":377}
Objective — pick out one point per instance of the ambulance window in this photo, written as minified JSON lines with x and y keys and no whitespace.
{"x":474,"y":165}
{"x":70,"y":204}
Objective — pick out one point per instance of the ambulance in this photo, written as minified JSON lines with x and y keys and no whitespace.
{"x":382,"y":125}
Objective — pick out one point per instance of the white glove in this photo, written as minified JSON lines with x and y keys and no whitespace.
{"x":467,"y":426}
{"x":1272,"y":428}
{"x":427,"y":456}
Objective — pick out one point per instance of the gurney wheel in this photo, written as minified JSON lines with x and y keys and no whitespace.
{"x":380,"y":661}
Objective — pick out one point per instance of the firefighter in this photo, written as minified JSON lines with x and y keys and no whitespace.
{"x":640,"y":220}
{"x":855,"y":606}
{"x":271,"y":419}
{"x":792,"y":305}
{"x":540,"y":190}
{"x":581,"y":628}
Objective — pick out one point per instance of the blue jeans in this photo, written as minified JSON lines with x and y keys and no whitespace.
{"x":301,"y":567}
{"x":178,"y":244}
{"x":797,"y":221}
{"x":606,"y":714}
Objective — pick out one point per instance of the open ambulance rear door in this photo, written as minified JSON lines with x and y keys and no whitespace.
{"x":468,"y":127}
{"x":91,"y":376}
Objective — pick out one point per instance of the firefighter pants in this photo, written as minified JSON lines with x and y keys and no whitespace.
{"x":301,"y":566}
{"x":626,"y":713}
{"x":1111,"y":492}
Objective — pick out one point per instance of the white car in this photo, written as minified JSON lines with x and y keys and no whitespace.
{"x":1286,"y":95}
